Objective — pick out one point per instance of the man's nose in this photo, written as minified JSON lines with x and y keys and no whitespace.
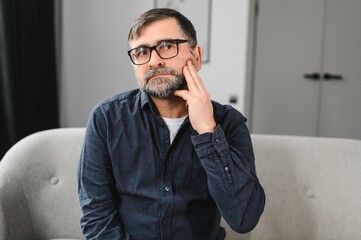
{"x":155,"y":60}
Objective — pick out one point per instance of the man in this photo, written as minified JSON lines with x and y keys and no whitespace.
{"x":165,"y":162}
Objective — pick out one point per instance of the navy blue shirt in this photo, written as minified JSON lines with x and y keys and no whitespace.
{"x":134,"y":184}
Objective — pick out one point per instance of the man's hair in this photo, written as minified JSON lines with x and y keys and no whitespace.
{"x":161,"y":14}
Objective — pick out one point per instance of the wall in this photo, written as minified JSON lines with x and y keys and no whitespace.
{"x":94,"y":64}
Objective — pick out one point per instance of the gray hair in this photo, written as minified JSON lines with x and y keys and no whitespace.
{"x":160,"y":14}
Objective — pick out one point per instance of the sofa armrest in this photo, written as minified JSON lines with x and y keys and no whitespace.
{"x":15,"y":220}
{"x":2,"y":223}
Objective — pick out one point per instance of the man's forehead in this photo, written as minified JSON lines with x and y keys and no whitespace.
{"x":156,"y":31}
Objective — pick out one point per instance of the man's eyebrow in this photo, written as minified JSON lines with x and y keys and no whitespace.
{"x":166,"y":40}
{"x":160,"y":41}
{"x":141,"y":46}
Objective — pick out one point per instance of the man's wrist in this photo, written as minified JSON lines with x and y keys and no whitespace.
{"x":209,"y":129}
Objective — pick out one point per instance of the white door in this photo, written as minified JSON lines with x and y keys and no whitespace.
{"x":296,"y":44}
{"x":341,"y":99}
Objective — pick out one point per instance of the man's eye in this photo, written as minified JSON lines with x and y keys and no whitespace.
{"x":167,"y":45}
{"x":140,"y":52}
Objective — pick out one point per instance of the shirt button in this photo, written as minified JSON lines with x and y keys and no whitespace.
{"x":217,"y":140}
{"x":167,"y":189}
{"x":226,"y":169}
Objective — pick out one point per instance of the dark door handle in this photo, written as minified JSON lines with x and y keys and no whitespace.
{"x":313,"y":76}
{"x":328,"y":76}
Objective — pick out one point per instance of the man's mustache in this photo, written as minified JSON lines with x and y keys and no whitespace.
{"x":159,"y":71}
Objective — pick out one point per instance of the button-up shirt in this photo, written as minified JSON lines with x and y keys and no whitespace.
{"x":134,"y":184}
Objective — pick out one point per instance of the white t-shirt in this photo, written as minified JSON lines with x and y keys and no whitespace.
{"x":173,"y":126}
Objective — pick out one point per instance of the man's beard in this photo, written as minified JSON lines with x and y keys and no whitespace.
{"x":162,"y":87}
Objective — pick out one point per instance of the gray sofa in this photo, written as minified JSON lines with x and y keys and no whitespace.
{"x":313,"y":188}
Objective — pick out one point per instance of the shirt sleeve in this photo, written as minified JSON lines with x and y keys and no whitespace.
{"x":232,"y":181}
{"x":96,"y":185}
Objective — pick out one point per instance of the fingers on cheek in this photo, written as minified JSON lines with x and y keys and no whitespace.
{"x":186,"y":70}
{"x":187,"y":74}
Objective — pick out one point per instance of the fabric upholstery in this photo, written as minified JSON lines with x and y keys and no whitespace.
{"x":312,"y":185}
{"x":313,"y":188}
{"x":38,"y":194}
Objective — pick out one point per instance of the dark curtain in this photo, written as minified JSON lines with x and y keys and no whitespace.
{"x":28,"y":85}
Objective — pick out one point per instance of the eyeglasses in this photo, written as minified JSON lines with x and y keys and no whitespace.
{"x":165,"y":49}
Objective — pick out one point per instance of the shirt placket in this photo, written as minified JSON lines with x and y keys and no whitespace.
{"x":167,"y":187}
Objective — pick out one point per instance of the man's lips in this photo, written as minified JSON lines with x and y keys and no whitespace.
{"x":159,"y":75}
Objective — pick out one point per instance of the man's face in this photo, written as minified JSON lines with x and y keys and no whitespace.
{"x":161,"y":77}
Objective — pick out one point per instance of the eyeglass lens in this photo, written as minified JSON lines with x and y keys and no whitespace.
{"x":165,"y":49}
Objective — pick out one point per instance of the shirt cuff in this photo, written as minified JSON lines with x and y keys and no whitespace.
{"x":210,"y":143}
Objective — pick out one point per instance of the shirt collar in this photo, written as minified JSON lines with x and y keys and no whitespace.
{"x":144,"y":99}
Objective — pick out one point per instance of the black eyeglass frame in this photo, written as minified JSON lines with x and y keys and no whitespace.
{"x":151,"y":48}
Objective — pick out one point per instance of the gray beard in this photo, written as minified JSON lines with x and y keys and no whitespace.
{"x":162,"y":88}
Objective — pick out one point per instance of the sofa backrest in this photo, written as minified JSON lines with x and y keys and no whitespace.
{"x":38,"y":190}
{"x":312,"y":185}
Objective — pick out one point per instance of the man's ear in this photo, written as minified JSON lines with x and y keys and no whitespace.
{"x":198,"y":57}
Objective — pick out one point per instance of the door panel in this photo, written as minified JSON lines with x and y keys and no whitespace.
{"x":289,"y":39}
{"x":341,"y":99}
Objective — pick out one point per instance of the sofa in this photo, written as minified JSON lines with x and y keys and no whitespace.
{"x":312,"y":185}
{"x":313,"y":188}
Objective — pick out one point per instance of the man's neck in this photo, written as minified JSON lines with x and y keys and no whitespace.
{"x":173,"y":107}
